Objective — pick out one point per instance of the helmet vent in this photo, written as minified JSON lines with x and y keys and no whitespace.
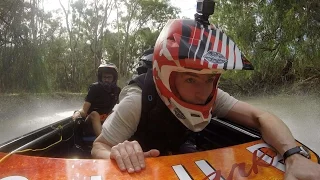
{"x":195,"y":115}
{"x":178,"y":113}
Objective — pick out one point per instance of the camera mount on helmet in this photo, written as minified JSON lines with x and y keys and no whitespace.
{"x":205,"y":8}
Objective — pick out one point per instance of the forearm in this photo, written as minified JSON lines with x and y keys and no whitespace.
{"x":84,"y":110}
{"x":275,"y":132}
{"x":82,"y":113}
{"x":100,"y":151}
{"x":278,"y":135}
{"x":78,"y":114}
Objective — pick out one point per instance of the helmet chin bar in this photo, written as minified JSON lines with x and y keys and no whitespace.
{"x":192,"y":119}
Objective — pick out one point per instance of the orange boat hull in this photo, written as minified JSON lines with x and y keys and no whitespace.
{"x":227,"y":163}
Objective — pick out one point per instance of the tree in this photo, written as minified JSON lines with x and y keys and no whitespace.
{"x":139,"y":14}
{"x":272,"y":41}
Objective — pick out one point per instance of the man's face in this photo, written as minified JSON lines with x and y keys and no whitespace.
{"x":194,"y":88}
{"x":106,"y":77}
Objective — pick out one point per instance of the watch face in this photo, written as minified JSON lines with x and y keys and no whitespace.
{"x":305,"y":152}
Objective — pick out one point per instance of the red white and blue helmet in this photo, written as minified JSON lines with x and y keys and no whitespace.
{"x":188,"y":46}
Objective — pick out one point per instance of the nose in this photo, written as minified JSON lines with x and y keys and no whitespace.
{"x":202,"y":94}
{"x":107,"y":79}
{"x":200,"y":98}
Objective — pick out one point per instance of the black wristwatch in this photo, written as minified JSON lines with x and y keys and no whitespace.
{"x":299,"y":149}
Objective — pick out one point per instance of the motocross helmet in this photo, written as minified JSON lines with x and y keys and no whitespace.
{"x":186,"y":45}
{"x":108,"y":68}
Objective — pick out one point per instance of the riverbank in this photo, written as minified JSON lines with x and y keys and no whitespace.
{"x":295,"y":89}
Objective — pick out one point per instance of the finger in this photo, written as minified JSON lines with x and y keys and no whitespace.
{"x":139,"y":153}
{"x":152,"y":153}
{"x":132,"y":155}
{"x":126,"y":158}
{"x":115,"y":154}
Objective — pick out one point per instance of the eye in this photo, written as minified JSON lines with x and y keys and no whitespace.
{"x":210,"y":80}
{"x":190,"y":80}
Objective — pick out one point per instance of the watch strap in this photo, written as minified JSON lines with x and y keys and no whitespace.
{"x":290,"y":152}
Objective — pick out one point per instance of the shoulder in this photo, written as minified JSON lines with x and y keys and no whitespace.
{"x":139,"y":80}
{"x":128,"y":110}
{"x":131,"y":91}
{"x":223,"y":95}
{"x":225,"y":98}
{"x":94,"y":85}
{"x":92,"y":89}
{"x":224,"y":102}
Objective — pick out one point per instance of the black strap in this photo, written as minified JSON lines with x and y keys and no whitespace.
{"x":148,"y":99}
{"x":149,"y":92}
{"x":291,"y":152}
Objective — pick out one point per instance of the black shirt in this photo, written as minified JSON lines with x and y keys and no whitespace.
{"x":102,"y":100}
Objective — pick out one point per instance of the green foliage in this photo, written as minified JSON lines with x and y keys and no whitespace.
{"x":61,"y":50}
{"x":276,"y":37}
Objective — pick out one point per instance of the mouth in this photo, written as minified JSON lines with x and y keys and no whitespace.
{"x":199,"y":103}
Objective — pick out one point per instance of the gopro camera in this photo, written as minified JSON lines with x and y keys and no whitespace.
{"x":205,"y":7}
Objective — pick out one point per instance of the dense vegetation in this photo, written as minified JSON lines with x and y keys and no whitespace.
{"x":281,"y":39}
{"x":60,"y":51}
{"x":56,"y":51}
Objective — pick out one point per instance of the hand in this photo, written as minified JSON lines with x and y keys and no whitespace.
{"x":76,"y":115}
{"x":301,"y":168}
{"x":129,"y":156}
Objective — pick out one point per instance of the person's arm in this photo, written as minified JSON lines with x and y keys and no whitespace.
{"x":83,"y":111}
{"x":120,"y":125}
{"x":272,"y":129}
{"x":87,"y":103}
{"x":128,"y":155}
{"x":101,"y":148}
{"x":278,"y":135}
